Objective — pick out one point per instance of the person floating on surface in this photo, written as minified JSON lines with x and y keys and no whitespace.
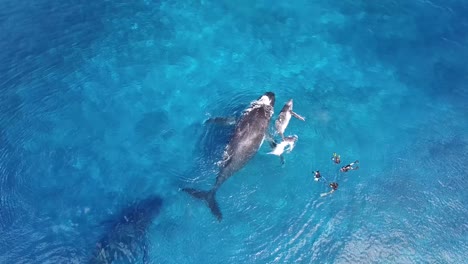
{"x":317,"y":175}
{"x":350,"y":167}
{"x":333,"y":186}
{"x":336,"y":158}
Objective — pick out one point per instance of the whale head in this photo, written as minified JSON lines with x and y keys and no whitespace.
{"x":267,"y":98}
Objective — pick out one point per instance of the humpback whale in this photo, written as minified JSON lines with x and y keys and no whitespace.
{"x":247,"y":138}
{"x":287,"y":145}
{"x":284,"y":117}
{"x":127,"y":234}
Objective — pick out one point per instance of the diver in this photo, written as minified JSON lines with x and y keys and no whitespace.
{"x":317,"y":176}
{"x":336,"y":158}
{"x":350,"y":167}
{"x":333,"y":186}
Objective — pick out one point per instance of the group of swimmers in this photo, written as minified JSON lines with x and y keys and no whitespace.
{"x":334,"y":185}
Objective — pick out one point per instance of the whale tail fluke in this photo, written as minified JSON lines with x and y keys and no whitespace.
{"x":209,"y":198}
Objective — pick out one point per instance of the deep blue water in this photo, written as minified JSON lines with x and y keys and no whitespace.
{"x":102,"y":104}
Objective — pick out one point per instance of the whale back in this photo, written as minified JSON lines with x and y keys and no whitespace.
{"x":246,"y":140}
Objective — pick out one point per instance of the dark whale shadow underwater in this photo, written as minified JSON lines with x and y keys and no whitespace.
{"x":125,"y":241}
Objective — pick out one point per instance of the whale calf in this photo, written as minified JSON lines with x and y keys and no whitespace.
{"x":284,"y":117}
{"x":287,"y":145}
{"x":247,"y":138}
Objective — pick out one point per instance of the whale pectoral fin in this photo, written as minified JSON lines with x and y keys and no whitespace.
{"x":282,"y":160}
{"x":273,"y":144}
{"x":226,"y":121}
{"x":297,"y":116}
{"x":271,"y":140}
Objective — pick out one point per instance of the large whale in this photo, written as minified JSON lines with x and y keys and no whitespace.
{"x":248,"y":136}
{"x":125,"y":240}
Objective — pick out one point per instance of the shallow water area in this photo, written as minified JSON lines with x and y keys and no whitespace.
{"x":103,"y":104}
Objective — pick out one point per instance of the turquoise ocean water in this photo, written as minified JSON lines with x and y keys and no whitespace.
{"x":103,"y":103}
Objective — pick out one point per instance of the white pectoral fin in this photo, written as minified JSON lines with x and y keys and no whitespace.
{"x":273,"y":153}
{"x":276,"y":151}
{"x":297,"y":116}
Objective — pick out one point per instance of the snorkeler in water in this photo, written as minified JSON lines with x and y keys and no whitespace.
{"x":350,"y":167}
{"x":317,"y":175}
{"x":336,"y":158}
{"x":333,"y":186}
